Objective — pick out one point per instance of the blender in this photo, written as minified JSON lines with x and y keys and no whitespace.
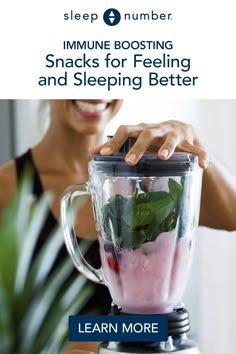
{"x":145,"y":217}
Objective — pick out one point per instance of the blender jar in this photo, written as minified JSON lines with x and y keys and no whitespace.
{"x":145,"y":217}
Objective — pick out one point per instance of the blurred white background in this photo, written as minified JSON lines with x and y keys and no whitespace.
{"x":211,"y":290}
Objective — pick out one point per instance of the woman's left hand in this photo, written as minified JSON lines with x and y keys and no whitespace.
{"x":163,"y":138}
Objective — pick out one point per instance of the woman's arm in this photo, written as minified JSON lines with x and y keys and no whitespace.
{"x":218,"y":203}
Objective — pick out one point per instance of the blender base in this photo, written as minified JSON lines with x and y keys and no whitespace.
{"x":177,"y":342}
{"x":178,"y":345}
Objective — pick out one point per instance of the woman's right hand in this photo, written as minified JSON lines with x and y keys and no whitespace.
{"x":163,"y":138}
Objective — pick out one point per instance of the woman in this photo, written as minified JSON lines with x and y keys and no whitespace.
{"x":76,"y":128}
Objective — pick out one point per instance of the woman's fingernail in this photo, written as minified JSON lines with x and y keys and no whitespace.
{"x":106,"y":151}
{"x":164,"y":153}
{"x":132,"y":158}
{"x":205,"y":163}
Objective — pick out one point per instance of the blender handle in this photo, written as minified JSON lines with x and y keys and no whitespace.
{"x":71,"y":242}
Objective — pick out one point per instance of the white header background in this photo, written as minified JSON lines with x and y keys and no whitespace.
{"x":202,"y":30}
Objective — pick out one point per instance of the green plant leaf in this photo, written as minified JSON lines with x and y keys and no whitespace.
{"x":58,"y":340}
{"x":40,"y":268}
{"x":60,"y":312}
{"x":8,"y":260}
{"x":6,"y":330}
{"x":176,"y":191}
{"x":47,"y":255}
{"x":31,"y":300}
{"x":29,"y":241}
{"x":129,"y":222}
{"x":24,"y":200}
{"x":75,"y":294}
{"x":38,"y":308}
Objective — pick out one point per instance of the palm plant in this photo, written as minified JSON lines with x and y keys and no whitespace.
{"x":36,"y":296}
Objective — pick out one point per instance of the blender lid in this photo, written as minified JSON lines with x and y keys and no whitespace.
{"x":150,"y":164}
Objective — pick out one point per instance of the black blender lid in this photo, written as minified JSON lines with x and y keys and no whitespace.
{"x":150,"y":164}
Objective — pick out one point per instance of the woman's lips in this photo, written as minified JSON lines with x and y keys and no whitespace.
{"x":92,"y":108}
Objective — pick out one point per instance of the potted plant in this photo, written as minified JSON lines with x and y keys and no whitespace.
{"x":36,"y":297}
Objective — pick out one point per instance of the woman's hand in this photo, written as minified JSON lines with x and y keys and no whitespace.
{"x":163,"y":138}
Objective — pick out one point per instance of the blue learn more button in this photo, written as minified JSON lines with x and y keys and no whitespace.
{"x":121,"y":328}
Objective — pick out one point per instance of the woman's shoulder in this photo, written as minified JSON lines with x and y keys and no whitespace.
{"x":8,"y":183}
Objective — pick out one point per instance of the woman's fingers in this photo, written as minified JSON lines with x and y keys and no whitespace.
{"x":147,"y":139}
{"x":96,"y":149}
{"x":169,"y":146}
{"x":164,"y":138}
{"x":174,"y":143}
{"x":119,"y":138}
{"x":203,"y":157}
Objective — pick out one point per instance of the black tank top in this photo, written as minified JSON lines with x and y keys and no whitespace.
{"x":101,"y":300}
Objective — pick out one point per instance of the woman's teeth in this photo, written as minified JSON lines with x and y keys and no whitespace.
{"x":91,"y":107}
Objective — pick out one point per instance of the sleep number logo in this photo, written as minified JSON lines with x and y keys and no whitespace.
{"x":111,"y":17}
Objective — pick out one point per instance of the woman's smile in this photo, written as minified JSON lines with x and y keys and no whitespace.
{"x":92,"y":108}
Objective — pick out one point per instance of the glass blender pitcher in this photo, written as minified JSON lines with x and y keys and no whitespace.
{"x":145,"y":217}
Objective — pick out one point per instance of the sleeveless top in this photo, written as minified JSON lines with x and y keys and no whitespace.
{"x":101,"y":299}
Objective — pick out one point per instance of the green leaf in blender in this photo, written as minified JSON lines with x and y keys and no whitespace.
{"x":129,"y":222}
{"x":176,"y":191}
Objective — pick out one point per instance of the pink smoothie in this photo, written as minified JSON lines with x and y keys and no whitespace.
{"x":150,"y":279}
